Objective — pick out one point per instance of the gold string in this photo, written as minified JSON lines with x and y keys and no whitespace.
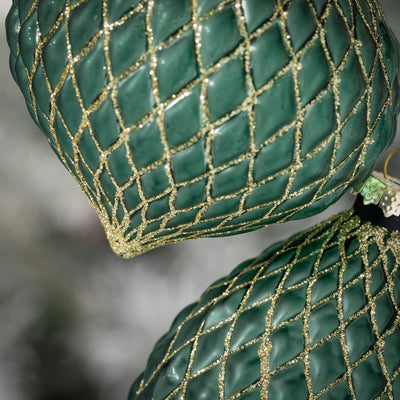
{"x":388,"y":158}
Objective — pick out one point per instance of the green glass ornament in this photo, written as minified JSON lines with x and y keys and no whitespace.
{"x":182,"y":119}
{"x":313,"y":317}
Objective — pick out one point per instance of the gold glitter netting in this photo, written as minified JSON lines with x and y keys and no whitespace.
{"x":311,"y":178}
{"x":313,"y":317}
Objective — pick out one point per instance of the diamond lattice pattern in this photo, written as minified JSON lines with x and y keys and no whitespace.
{"x":314,"y":317}
{"x":190,"y":118}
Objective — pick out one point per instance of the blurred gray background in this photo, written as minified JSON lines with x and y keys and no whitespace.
{"x":76,"y":321}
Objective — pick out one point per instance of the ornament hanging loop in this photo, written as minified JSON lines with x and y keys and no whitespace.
{"x":388,"y":158}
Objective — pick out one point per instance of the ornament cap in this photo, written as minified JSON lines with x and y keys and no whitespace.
{"x":374,"y":214}
{"x":382,"y":190}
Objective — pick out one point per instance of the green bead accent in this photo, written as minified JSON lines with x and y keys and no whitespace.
{"x":315,"y":316}
{"x":231,"y":114}
{"x":373,"y":190}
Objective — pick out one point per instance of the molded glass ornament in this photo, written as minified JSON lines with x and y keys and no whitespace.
{"x":182,"y":119}
{"x":313,"y":317}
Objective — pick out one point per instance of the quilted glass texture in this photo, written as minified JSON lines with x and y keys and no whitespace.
{"x":190,"y":118}
{"x":312,"y":317}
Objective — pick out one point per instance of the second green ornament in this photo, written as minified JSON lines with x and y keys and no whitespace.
{"x":313,"y":317}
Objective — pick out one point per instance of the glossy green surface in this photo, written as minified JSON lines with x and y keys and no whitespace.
{"x":315,"y":315}
{"x":222,"y":116}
